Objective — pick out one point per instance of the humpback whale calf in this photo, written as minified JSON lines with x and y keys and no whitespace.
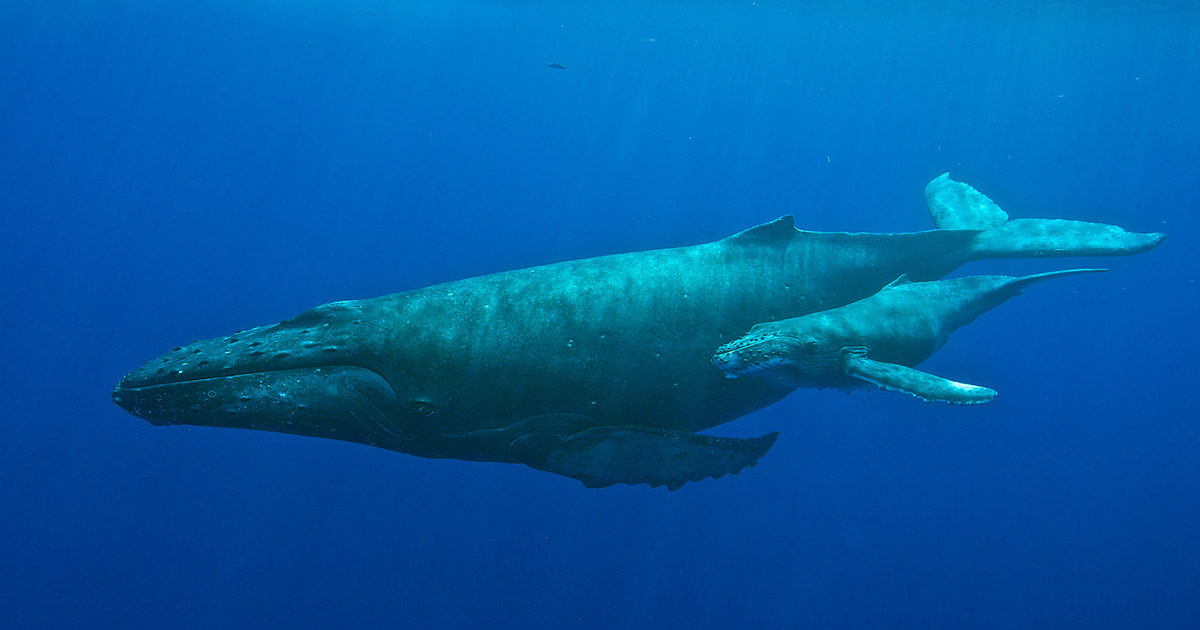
{"x":876,"y":340}
{"x":596,"y":369}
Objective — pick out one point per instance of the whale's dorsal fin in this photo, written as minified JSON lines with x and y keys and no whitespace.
{"x":923,"y":385}
{"x":899,"y":282}
{"x":782,"y":228}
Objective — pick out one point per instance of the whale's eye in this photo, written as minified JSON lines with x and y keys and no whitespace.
{"x":421,"y":408}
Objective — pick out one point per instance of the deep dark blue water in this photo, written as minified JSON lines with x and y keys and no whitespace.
{"x":180,"y":170}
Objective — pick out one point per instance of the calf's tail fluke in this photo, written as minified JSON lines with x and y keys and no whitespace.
{"x":1024,"y":281}
{"x":958,"y":206}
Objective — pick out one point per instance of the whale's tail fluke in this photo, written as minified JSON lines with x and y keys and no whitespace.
{"x":1019,"y":284}
{"x":958,"y":206}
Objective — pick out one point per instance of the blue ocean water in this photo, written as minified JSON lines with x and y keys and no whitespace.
{"x":176,"y":171}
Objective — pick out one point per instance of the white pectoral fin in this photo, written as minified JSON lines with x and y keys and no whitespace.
{"x":923,"y":385}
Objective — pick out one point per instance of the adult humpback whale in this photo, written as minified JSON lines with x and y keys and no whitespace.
{"x":595,"y":369}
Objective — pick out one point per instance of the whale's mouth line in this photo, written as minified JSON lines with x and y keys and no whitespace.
{"x":124,"y":387}
{"x":125,"y":393}
{"x":753,"y":357}
{"x":131,"y":394}
{"x":127,"y":385}
{"x":294,"y":399}
{"x":730,"y":348}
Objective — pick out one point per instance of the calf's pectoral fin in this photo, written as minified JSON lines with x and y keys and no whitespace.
{"x":923,"y":385}
{"x":603,"y":456}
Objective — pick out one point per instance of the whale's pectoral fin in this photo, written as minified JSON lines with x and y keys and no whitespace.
{"x":958,"y":206}
{"x":603,"y":456}
{"x":923,"y":385}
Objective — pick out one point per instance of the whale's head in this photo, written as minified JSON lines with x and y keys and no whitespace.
{"x":323,"y":373}
{"x":793,"y":353}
